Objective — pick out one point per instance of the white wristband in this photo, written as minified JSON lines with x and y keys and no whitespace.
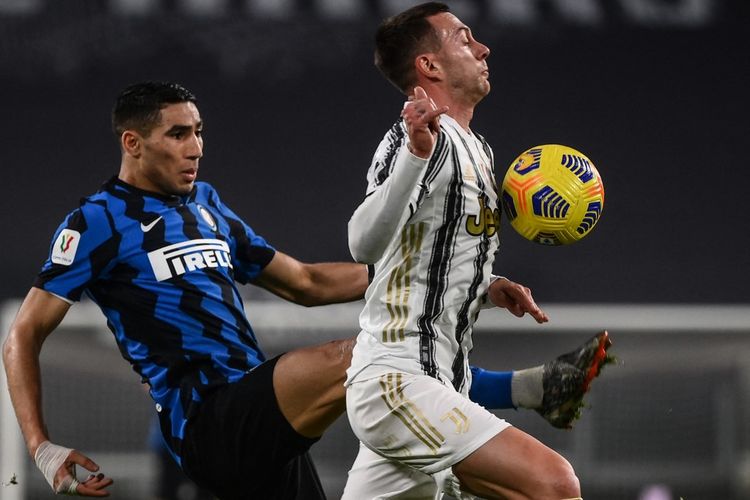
{"x":49,"y":457}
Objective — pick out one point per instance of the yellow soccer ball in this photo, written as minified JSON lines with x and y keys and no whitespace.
{"x":553,"y":195}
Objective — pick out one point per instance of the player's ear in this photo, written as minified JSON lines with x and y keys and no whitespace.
{"x":131,"y":143}
{"x":427,"y":66}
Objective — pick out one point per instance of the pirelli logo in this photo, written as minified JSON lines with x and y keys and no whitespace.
{"x":180,"y":258}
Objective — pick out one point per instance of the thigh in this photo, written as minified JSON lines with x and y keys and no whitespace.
{"x":239,"y":445}
{"x":514,"y":465}
{"x":377,"y":478}
{"x":309,"y":385}
{"x":418,"y":421}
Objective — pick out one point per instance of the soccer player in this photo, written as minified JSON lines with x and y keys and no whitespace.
{"x":429,"y":225}
{"x":160,"y":254}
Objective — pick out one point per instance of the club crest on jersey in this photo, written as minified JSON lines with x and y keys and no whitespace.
{"x":469,"y":173}
{"x":486,"y":222}
{"x":180,"y":258}
{"x":66,"y":245}
{"x":207,"y":216}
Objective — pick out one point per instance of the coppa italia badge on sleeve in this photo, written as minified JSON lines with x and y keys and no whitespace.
{"x":66,"y":245}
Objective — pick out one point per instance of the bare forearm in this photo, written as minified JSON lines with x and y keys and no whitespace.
{"x":313,"y":284}
{"x":335,"y":282}
{"x":21,"y":360}
{"x":38,"y":316}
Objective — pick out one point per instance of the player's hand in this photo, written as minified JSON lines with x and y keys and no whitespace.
{"x":58,"y":464}
{"x":95,"y":484}
{"x":422,"y":119}
{"x":516,"y":298}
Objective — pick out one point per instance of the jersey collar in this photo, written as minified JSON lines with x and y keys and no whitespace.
{"x":115,"y":183}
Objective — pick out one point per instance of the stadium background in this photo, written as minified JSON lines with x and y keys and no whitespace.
{"x":655,"y":92}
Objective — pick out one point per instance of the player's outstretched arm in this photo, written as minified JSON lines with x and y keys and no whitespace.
{"x":38,"y":316}
{"x":313,"y":284}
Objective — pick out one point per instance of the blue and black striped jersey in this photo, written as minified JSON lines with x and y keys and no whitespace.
{"x":163,"y":271}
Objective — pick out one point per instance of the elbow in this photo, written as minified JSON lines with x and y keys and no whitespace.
{"x":6,"y":352}
{"x":364,"y":257}
{"x":308,"y":291}
{"x":362,"y":246}
{"x":307,"y":300}
{"x":9,"y":349}
{"x":364,"y":253}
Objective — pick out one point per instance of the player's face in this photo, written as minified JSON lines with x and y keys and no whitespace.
{"x":171,"y":152}
{"x":464,"y":60}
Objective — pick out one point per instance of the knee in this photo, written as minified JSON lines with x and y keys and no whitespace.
{"x":332,"y":359}
{"x":562,"y":482}
{"x":339,"y":352}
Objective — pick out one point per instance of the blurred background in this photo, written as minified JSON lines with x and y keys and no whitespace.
{"x":655,"y":92}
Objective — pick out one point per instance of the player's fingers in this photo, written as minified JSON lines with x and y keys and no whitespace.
{"x":419,"y":93}
{"x":413,"y":110}
{"x":95,"y":485}
{"x":539,"y":315}
{"x":98,"y":482}
{"x":530,"y":306}
{"x":420,"y":117}
{"x":434,"y":113}
{"x":67,"y":485}
{"x":95,"y":478}
{"x":91,"y":492}
{"x":433,"y":117}
{"x":79,"y":458}
{"x":517,"y":310}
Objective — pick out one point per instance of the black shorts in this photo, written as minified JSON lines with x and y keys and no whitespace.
{"x":240,"y":446}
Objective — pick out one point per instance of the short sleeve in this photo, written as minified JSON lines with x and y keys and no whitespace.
{"x":82,"y":247}
{"x":251,"y":253}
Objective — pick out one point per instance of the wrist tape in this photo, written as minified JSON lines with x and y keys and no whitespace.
{"x":49,"y":457}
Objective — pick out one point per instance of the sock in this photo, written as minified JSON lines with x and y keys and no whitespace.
{"x":491,"y":389}
{"x":527,"y":387}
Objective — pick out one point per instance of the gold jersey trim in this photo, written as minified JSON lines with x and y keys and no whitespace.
{"x":399,"y":283}
{"x":410,"y":415}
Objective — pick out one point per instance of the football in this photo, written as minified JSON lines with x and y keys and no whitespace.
{"x":553,"y":195}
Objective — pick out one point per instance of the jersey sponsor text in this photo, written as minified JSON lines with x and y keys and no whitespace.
{"x":175,"y":260}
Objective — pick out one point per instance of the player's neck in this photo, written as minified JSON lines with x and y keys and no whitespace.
{"x":462,"y":116}
{"x":130,"y":174}
{"x":460,"y":109}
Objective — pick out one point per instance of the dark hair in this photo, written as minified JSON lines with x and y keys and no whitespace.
{"x":138,"y":106}
{"x":400,"y":38}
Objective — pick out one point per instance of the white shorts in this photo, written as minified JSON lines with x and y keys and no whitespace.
{"x":417,"y":421}
{"x":377,"y":478}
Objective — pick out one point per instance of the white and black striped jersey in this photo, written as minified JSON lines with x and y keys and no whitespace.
{"x":430,"y":229}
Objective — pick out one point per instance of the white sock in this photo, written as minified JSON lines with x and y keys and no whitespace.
{"x":527,"y":387}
